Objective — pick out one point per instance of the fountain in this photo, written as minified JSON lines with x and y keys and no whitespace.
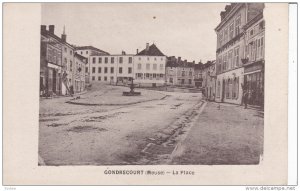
{"x":131,"y":92}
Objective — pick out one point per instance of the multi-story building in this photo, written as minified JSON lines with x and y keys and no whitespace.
{"x":208,"y":75}
{"x":254,"y":61}
{"x":114,"y":69}
{"x":149,"y":67}
{"x":230,"y":50}
{"x":50,"y":62}
{"x":198,"y":74}
{"x":79,"y":72}
{"x":88,"y":52}
{"x":67,"y":64}
{"x":171,"y":71}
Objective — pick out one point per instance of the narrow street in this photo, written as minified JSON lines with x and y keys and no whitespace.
{"x":167,"y":130}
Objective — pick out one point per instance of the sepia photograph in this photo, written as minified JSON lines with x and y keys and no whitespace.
{"x":151,"y":84}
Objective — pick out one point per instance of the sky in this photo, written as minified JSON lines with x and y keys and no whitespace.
{"x":177,"y":29}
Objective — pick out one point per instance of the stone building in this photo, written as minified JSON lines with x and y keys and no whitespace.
{"x":88,"y":52}
{"x":113,"y":69}
{"x":209,"y":80}
{"x":149,"y":67}
{"x":50,"y":62}
{"x":198,"y":75}
{"x":231,"y":39}
{"x":79,"y":72}
{"x":254,"y":62}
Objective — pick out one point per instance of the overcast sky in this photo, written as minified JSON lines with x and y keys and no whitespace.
{"x":178,"y":29}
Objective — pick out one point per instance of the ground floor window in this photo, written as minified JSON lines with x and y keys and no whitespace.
{"x":255,"y":86}
{"x":105,"y":78}
{"x":93,"y":78}
{"x":99,"y":78}
{"x":171,"y":80}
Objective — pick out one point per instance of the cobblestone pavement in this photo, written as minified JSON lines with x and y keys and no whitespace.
{"x":180,"y":128}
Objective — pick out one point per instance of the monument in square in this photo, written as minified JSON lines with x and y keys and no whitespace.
{"x":131,"y":92}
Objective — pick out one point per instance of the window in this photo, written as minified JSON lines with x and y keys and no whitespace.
{"x":261,"y":26}
{"x":112,"y":60}
{"x":130,"y":60}
{"x":147,"y":58}
{"x":190,"y":81}
{"x":154,"y":75}
{"x":231,"y":31}
{"x":148,"y":66}
{"x":154,"y":58}
{"x":105,"y":60}
{"x":154,"y":66}
{"x":99,"y":78}
{"x":87,"y":52}
{"x":100,"y":60}
{"x":139,"y":66}
{"x":182,"y":73}
{"x":71,"y":67}
{"x":225,"y":61}
{"x":105,"y":70}
{"x":81,"y":52}
{"x":93,"y":78}
{"x":94,"y":60}
{"x":221,"y":38}
{"x":171,"y":80}
{"x":139,"y":58}
{"x":230,"y":63}
{"x":147,"y":75}
{"x":190,"y":73}
{"x":99,"y":70}
{"x":161,"y":75}
{"x":262,"y":47}
{"x":236,"y":56}
{"x":237,"y":25}
{"x":121,"y":60}
{"x":161,"y":67}
{"x":71,"y":52}
{"x":65,"y":49}
{"x":129,"y":70}
{"x":112,"y":70}
{"x":226,"y":35}
{"x":120,"y":70}
{"x":86,"y":69}
{"x":105,"y":78}
{"x":93,"y":70}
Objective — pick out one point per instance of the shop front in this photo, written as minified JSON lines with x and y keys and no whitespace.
{"x":254,"y":80}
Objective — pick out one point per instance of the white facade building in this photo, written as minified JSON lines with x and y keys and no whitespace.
{"x":150,"y":67}
{"x":113,"y":69}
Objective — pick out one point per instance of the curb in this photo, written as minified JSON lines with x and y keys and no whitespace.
{"x":122,"y":104}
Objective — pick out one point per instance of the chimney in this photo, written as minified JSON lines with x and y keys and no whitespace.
{"x":147,"y":46}
{"x":43,"y":28}
{"x":51,"y":29}
{"x":123,"y":53}
{"x":179,"y":58}
{"x":137,"y":51}
{"x":193,"y":61}
{"x":64,"y":36}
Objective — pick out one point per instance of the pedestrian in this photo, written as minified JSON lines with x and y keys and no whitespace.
{"x":71,"y":90}
{"x":246,"y":98}
{"x":244,"y":89}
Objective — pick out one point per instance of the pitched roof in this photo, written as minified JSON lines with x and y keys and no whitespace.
{"x":90,"y":48}
{"x":152,"y":51}
{"x":47,"y":33}
{"x":82,"y":58}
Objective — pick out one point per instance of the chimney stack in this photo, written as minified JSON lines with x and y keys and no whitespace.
{"x":64,"y":36}
{"x":179,"y":58}
{"x":123,"y":53}
{"x":51,"y":29}
{"x":137,"y":51}
{"x":43,"y":28}
{"x":147,"y":46}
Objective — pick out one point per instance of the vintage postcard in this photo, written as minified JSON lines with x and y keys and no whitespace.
{"x":146,"y":94}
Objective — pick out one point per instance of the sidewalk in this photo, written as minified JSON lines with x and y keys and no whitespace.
{"x":226,"y":136}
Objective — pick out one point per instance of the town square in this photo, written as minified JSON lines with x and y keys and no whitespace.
{"x":151,"y":106}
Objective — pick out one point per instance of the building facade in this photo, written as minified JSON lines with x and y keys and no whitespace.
{"x":88,"y":52}
{"x":209,"y":77}
{"x":112,"y":69}
{"x":79,"y":73}
{"x":231,"y":47}
{"x":198,"y":75}
{"x":254,"y":62}
{"x":179,"y":72}
{"x":50,"y":62}
{"x":150,"y":67}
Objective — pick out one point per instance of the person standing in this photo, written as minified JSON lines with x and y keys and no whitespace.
{"x":246,"y":98}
